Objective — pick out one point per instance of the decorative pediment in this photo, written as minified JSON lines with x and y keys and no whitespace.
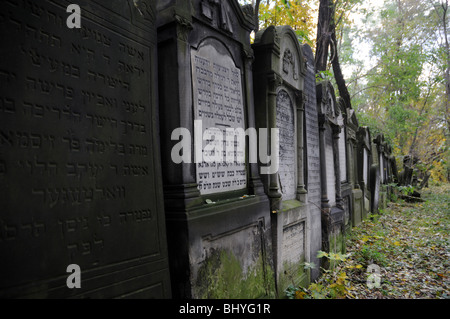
{"x":216,"y":10}
{"x":327,"y":101}
{"x":287,"y":57}
{"x":145,"y":9}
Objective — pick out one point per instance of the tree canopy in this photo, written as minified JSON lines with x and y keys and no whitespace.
{"x":396,"y":62}
{"x":405,"y":93}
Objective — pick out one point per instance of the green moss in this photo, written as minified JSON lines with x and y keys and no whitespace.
{"x":290,"y":204}
{"x":221,"y":277}
{"x":383,"y":200}
{"x":337,"y":245}
{"x":293,"y":274}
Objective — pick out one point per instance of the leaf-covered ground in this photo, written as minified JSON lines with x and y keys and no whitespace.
{"x":410,"y":244}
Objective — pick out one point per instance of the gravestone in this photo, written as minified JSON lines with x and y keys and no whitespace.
{"x":279,"y":98}
{"x":217,"y":214}
{"x":364,"y":166}
{"x":389,"y":171}
{"x":394,"y":178}
{"x":217,"y":93}
{"x":381,"y":149}
{"x":333,"y":228}
{"x":81,"y":181}
{"x":344,"y":164}
{"x":374,"y":188}
{"x":390,"y":179}
{"x":312,"y":157}
{"x":357,"y":194}
{"x":330,"y":167}
{"x":407,"y":176}
{"x":286,"y":122}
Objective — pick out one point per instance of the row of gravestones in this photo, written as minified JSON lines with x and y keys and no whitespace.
{"x":103,"y":153}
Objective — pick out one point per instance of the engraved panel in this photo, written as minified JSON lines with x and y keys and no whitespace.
{"x":312,"y":157}
{"x":289,"y":67}
{"x":293,"y":250}
{"x":248,"y":235}
{"x":365,"y":167}
{"x":285,"y":122}
{"x":342,"y":150}
{"x":329,"y":161}
{"x":218,"y":103}
{"x":382,"y":173}
{"x":76,"y":141}
{"x":312,"y":138}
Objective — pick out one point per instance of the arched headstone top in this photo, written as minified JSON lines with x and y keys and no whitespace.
{"x":351,"y":118}
{"x":364,"y":136}
{"x":326,"y":101}
{"x":228,"y":18}
{"x":342,"y":106}
{"x":309,"y":56}
{"x":379,"y":138}
{"x":267,"y":37}
{"x":293,"y":64}
{"x":379,"y":141}
{"x":287,"y":58}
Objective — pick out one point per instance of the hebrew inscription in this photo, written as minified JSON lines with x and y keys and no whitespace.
{"x":77,"y":175}
{"x":329,"y":160}
{"x":312,"y":138}
{"x":285,"y":122}
{"x":342,"y":149}
{"x":218,"y":102}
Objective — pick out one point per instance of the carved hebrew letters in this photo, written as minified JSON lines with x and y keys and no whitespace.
{"x":218,"y":102}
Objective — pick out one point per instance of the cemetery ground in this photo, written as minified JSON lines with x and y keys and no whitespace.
{"x":408,"y":241}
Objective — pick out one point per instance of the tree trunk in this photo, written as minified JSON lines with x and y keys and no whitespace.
{"x":340,"y":81}
{"x":326,"y":37}
{"x":326,"y":13}
{"x":256,"y":10}
{"x":447,"y":70}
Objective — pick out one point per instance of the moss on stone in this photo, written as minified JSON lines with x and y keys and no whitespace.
{"x":290,"y":204}
{"x":292,"y":274}
{"x":222,"y":277}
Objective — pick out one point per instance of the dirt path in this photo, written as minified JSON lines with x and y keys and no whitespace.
{"x":408,"y":248}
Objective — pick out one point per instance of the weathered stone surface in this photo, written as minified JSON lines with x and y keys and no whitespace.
{"x":279,"y":96}
{"x":293,"y":250}
{"x":342,"y":149}
{"x":218,"y":217}
{"x":330,"y":169}
{"x":332,"y":208}
{"x":79,"y":142}
{"x":352,"y":127}
{"x":345,"y":163}
{"x":364,"y":165}
{"x":218,"y":102}
{"x":313,"y":179}
{"x":285,"y":118}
